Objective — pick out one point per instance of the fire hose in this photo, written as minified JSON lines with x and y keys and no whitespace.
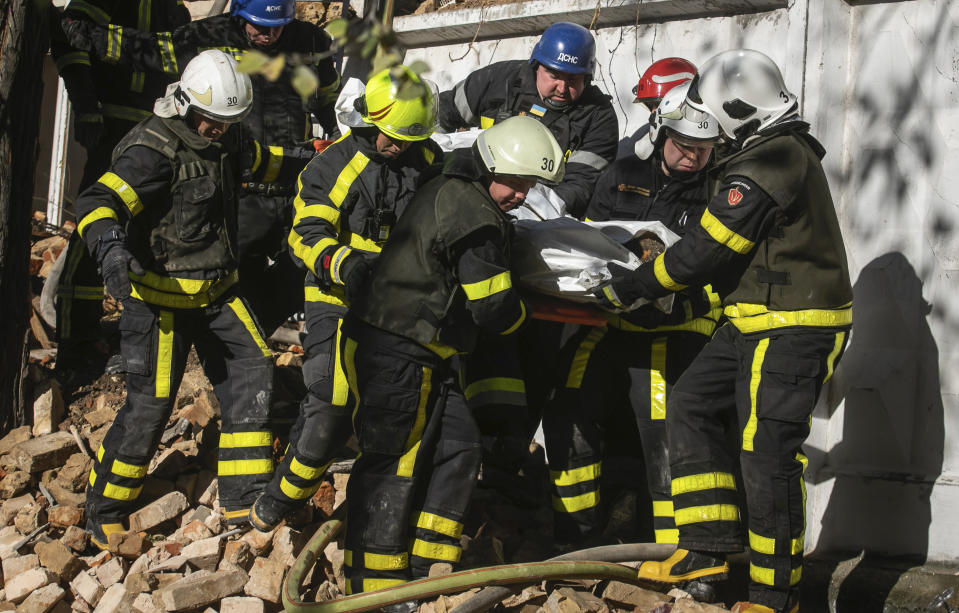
{"x":530,"y":572}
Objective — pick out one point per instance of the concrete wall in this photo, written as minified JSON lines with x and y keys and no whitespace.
{"x":880,"y":85}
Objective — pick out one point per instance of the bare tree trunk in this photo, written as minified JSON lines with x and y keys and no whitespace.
{"x":24,"y":39}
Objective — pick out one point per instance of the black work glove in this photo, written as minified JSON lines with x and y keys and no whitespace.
{"x":88,"y":128}
{"x":85,"y":35}
{"x":116,"y":264}
{"x":355,"y":270}
{"x":622,"y":290}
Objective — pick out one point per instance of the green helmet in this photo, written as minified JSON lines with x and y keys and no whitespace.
{"x":521,"y":146}
{"x":411,"y":119}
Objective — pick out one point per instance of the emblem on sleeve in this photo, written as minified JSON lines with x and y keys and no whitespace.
{"x":734,"y":197}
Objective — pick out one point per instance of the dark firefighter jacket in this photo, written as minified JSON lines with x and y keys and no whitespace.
{"x":350,"y":197}
{"x":588,"y":130}
{"x":633,"y":189}
{"x":444,"y":274}
{"x":769,"y":240}
{"x":118,"y":93}
{"x":175,"y":193}
{"x":279,"y":115}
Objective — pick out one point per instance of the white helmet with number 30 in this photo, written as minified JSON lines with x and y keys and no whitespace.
{"x":676,"y":119}
{"x":212,"y":86}
{"x":521,"y":146}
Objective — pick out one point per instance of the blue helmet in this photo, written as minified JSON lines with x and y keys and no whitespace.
{"x":566,"y":47}
{"x":267,"y":13}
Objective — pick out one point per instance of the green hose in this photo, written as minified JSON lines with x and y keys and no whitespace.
{"x":434,"y":586}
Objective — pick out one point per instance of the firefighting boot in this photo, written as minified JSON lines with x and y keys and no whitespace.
{"x":266,"y":513}
{"x":100,"y":532}
{"x":685,"y":565}
{"x":749,"y":607}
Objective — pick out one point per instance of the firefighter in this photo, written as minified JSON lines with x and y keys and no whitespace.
{"x":279,"y":116}
{"x":107,"y":103}
{"x":661,"y":76}
{"x":638,"y":357}
{"x":161,"y":223}
{"x":770,"y":244}
{"x":442,"y":277}
{"x":349,"y":199}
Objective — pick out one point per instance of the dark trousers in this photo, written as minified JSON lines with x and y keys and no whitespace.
{"x":419,"y":456}
{"x":323,"y":425}
{"x":610,"y":374}
{"x":155,"y":343}
{"x":767,"y":383}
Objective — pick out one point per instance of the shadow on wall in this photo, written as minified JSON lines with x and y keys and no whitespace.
{"x":891,"y":450}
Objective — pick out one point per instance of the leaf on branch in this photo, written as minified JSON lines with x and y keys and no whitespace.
{"x":369,"y":47}
{"x":274,"y":68}
{"x":252,"y":62}
{"x":337,"y":28}
{"x":304,"y":81}
{"x":419,"y":67}
{"x":409,"y":90}
{"x":382,"y":62}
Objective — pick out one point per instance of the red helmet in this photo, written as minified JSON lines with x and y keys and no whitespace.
{"x":662,"y":76}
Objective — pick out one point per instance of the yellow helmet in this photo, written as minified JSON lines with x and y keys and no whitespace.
{"x":410,"y":119}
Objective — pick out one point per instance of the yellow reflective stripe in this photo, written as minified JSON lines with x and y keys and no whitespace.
{"x":577,"y":368}
{"x":303,"y":471}
{"x":663,"y":508}
{"x":101,"y":212}
{"x":236,"y":440}
{"x":118,"y":492}
{"x":349,"y":365}
{"x":176,"y":285}
{"x":114,"y":40}
{"x":486,"y":122}
{"x":700,"y":325}
{"x":659,"y":269}
{"x":381,"y":561}
{"x":336,"y":262}
{"x":346,"y":178}
{"x":128,"y":113}
{"x":75,"y":57}
{"x":100,"y":453}
{"x":308,"y":255}
{"x":495,"y":384}
{"x":178,"y":301}
{"x":232,"y":468}
{"x":164,"y":367}
{"x":143,"y":19}
{"x":133,"y":471}
{"x":766,"y":545}
{"x":315,"y":294}
{"x":702,"y":482}
{"x":298,"y":493}
{"x":123,"y":190}
{"x":573,"y":476}
{"x":802,"y":482}
{"x":273,"y":164}
{"x":767,"y":576}
{"x":488,"y":287}
{"x":657,"y":381}
{"x":321,"y":211}
{"x":428,"y":155}
{"x":258,"y":157}
{"x":519,"y":320}
{"x":709,"y":512}
{"x":341,"y":388}
{"x":437,"y":523}
{"x":167,"y":54}
{"x":404,"y":467}
{"x":366,"y":244}
{"x":80,"y":292}
{"x":756,"y":373}
{"x":228,"y":515}
{"x":755,"y":318}
{"x":93,"y":477}
{"x":436,"y":551}
{"x":831,"y":358}
{"x":247,"y":320}
{"x":572,"y":504}
{"x":137,"y":81}
{"x":234,"y":51}
{"x":95,"y":13}
{"x":667,"y":535}
{"x":371,"y":585}
{"x":723,"y":235}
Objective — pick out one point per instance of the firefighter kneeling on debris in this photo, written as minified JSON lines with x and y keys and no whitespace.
{"x":442,"y":277}
{"x":162,"y":225}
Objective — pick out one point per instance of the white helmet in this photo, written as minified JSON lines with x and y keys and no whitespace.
{"x":212,"y":86}
{"x":674,"y":118}
{"x":521,"y":146}
{"x":744,"y":90}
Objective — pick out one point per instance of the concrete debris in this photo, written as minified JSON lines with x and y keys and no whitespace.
{"x":155,"y":513}
{"x":266,"y":580}
{"x":200,"y":589}
{"x":48,"y":409}
{"x":86,"y":586}
{"x":42,"y":600}
{"x":44,"y":452}
{"x":241,"y":604}
{"x":20,"y":586}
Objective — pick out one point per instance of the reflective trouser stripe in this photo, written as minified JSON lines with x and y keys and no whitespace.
{"x":230,"y":468}
{"x":767,"y":545}
{"x":309,"y":479}
{"x":404,"y":467}
{"x":371,"y":585}
{"x":657,"y":380}
{"x":114,"y":491}
{"x":164,"y":365}
{"x":377,"y":561}
{"x":767,"y":576}
{"x":437,"y":551}
{"x":246,"y":319}
{"x":581,"y":358}
{"x":710,"y":512}
{"x":834,"y":354}
{"x":705,"y":481}
{"x":438,"y":524}
{"x":572,"y":504}
{"x":341,"y":387}
{"x":756,"y":373}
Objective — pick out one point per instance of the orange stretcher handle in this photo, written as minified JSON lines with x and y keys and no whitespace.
{"x":557,"y":309}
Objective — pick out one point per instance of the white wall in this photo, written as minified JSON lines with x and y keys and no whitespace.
{"x":880,"y":85}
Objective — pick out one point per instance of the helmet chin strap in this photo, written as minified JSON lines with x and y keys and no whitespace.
{"x":556,"y":106}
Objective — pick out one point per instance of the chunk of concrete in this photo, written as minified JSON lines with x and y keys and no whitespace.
{"x":111,"y":572}
{"x":636,"y":597}
{"x":13,"y":484}
{"x":116,"y":598}
{"x":87,"y":587}
{"x":14,"y":565}
{"x":48,"y":410}
{"x":75,"y":538}
{"x":42,"y":600}
{"x":10,"y":508}
{"x":62,"y":516}
{"x":144,"y":603}
{"x":58,"y":559}
{"x":14,"y":438}
{"x":241,"y":604}
{"x":44,"y":452}
{"x":203,"y":554}
{"x":287,"y":543}
{"x":200,"y":589}
{"x":159,"y":511}
{"x":266,"y":580}
{"x":23,"y":584}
